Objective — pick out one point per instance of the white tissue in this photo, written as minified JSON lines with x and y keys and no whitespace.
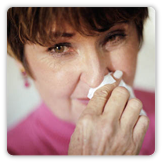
{"x":108,"y":79}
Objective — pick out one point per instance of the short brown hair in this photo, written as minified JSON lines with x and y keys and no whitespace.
{"x":35,"y":24}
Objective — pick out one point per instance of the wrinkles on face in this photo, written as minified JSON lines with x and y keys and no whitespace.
{"x":60,"y":80}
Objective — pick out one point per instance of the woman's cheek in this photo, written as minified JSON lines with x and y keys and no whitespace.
{"x":65,"y":79}
{"x":55,"y":79}
{"x":124,"y":60}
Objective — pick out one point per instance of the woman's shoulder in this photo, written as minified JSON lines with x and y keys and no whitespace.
{"x":21,"y":137}
{"x":148,"y":100}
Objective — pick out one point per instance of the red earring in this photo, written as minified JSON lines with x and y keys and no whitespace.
{"x":25,"y":77}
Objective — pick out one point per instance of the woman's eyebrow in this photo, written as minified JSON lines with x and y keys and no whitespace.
{"x":65,"y":34}
{"x":112,"y":26}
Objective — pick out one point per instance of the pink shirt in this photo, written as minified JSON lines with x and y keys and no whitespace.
{"x":42,"y":133}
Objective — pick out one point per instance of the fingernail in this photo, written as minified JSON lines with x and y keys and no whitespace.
{"x":118,"y":74}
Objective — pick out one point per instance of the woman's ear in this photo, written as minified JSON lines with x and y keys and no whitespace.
{"x":20,"y":66}
{"x":23,"y":73}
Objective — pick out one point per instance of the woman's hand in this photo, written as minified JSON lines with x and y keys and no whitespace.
{"x":110,"y":125}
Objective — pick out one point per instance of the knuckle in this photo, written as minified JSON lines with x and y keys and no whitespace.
{"x":107,"y":128}
{"x":103,"y":92}
{"x":109,"y":131}
{"x":86,"y":120}
{"x":114,"y":85}
{"x":135,"y":103}
{"x":121,"y":91}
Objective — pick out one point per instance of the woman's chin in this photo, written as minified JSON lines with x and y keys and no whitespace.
{"x":78,"y":106}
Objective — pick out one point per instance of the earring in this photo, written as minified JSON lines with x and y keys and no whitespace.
{"x":25,"y":77}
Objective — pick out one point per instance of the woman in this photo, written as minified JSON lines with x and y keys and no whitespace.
{"x":67,"y":51}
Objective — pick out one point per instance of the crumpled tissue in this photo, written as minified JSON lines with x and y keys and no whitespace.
{"x":108,"y":79}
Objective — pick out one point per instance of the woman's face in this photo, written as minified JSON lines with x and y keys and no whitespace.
{"x":65,"y":72}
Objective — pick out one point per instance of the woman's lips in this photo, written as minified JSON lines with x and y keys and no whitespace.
{"x":84,"y":101}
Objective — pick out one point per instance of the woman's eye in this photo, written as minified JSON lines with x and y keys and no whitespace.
{"x":60,"y":49}
{"x":114,"y":38}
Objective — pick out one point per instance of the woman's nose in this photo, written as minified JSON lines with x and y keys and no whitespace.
{"x":94,"y":70}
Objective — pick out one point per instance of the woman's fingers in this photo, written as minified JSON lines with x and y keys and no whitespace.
{"x":131,"y":114}
{"x":116,"y":103}
{"x":98,"y":101}
{"x":96,"y":134}
{"x":140,"y":130}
